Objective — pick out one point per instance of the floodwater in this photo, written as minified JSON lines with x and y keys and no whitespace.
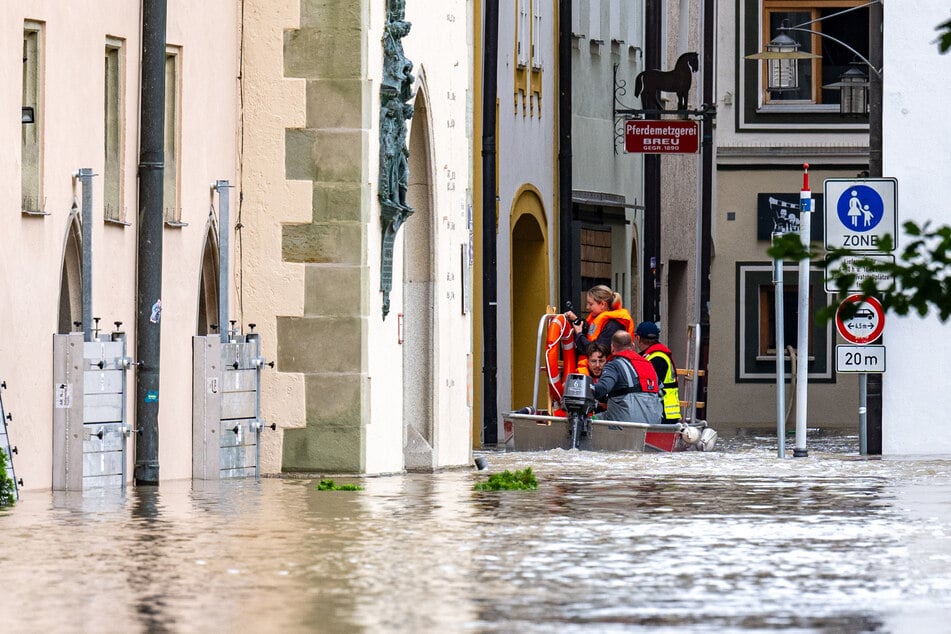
{"x":734,"y":540}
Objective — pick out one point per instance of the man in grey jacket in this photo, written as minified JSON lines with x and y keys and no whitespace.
{"x":629,"y":383}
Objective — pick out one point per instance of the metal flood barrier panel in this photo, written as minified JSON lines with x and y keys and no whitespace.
{"x":226,"y":407}
{"x":90,"y":430}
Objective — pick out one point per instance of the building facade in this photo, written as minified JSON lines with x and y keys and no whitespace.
{"x":77,"y":69}
{"x":370,"y":339}
{"x":359,"y":389}
{"x":764,"y":137}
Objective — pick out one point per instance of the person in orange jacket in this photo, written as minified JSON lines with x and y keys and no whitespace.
{"x":606,"y":316}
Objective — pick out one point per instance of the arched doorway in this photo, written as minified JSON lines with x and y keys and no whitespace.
{"x":419,"y":402}
{"x":208,"y":283}
{"x":530,"y":291}
{"x":71,"y":279}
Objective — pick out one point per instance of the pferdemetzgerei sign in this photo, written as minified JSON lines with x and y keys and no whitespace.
{"x":858,"y":212}
{"x":661,"y":137}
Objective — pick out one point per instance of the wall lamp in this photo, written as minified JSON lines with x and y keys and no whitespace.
{"x":782,"y":57}
{"x":26,"y":115}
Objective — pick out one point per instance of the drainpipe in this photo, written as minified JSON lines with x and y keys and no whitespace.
{"x":708,"y":99}
{"x":569,"y":272}
{"x":650,"y":309}
{"x":490,"y":423}
{"x":148,"y":330}
{"x":876,"y":57}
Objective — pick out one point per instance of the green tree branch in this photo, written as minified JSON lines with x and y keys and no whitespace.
{"x":920,"y":276}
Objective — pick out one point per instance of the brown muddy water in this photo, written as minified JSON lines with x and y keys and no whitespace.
{"x":735,"y":540}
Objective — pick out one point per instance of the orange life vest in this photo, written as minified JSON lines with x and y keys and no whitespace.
{"x":594,"y":326}
{"x":561,"y":337}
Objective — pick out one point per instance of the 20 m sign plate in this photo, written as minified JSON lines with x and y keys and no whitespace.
{"x":870,"y":359}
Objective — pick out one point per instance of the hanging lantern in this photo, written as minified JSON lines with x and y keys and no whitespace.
{"x":782,"y":57}
{"x":783,"y":68}
{"x":853,"y":92}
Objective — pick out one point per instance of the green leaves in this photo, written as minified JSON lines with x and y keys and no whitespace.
{"x":944,"y":39}
{"x":7,"y":490}
{"x":330,"y":485}
{"x":507,"y":481}
{"x":920,"y":276}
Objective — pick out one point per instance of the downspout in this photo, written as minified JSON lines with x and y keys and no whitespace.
{"x":569,"y":255}
{"x":650,"y":310}
{"x":490,"y":425}
{"x":148,"y":330}
{"x":708,"y":101}
{"x":875,"y":91}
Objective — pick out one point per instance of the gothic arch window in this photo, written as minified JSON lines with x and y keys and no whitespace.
{"x":208,"y":283}
{"x":71,"y":279}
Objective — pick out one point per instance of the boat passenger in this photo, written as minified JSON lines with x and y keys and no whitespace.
{"x":606,"y":316}
{"x":647,"y":342}
{"x":597,"y":357}
{"x":629,"y":383}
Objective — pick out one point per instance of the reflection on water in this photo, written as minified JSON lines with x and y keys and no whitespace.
{"x":734,"y":540}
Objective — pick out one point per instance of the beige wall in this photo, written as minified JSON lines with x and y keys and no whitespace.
{"x":311,"y":118}
{"x":272,"y":103}
{"x":71,"y":120}
{"x":731,"y":404}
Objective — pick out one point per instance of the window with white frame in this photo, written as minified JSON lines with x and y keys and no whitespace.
{"x":171,"y":200}
{"x":614,"y":21}
{"x":536,"y":34}
{"x":113,"y":121}
{"x":756,"y":323}
{"x":830,"y":20}
{"x":31,"y":148}
{"x":594,"y":20}
{"x":576,"y":29}
{"x":522,"y":33}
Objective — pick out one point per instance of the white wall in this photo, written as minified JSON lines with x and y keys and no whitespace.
{"x":439,"y":45}
{"x":915,"y":398}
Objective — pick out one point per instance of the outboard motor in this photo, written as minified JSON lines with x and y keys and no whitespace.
{"x":708,"y":439}
{"x":579,"y":402}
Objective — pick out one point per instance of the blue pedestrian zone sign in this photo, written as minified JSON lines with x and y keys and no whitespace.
{"x":860,"y":212}
{"x":860,"y":208}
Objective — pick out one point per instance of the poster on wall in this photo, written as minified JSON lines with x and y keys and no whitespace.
{"x":779,"y":213}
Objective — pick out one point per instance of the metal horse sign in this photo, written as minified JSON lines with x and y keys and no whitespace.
{"x":650,"y":83}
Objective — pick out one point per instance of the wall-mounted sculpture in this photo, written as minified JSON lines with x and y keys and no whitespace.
{"x":396,"y":93}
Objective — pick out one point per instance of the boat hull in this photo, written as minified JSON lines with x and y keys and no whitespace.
{"x":534,"y":434}
{"x":537,"y":432}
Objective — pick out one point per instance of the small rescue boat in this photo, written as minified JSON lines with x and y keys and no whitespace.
{"x":571,"y":422}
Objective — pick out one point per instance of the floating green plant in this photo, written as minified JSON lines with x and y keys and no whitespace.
{"x":330,"y":485}
{"x":521,"y":480}
{"x":7,"y":488}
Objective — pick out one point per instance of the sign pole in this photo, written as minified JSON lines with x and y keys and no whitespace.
{"x":780,"y":354}
{"x":802,"y":346}
{"x":863,"y":414}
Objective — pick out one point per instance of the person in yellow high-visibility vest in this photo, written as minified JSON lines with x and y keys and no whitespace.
{"x":646,"y":337}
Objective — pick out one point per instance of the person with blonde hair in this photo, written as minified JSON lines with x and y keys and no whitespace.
{"x":606,"y":316}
